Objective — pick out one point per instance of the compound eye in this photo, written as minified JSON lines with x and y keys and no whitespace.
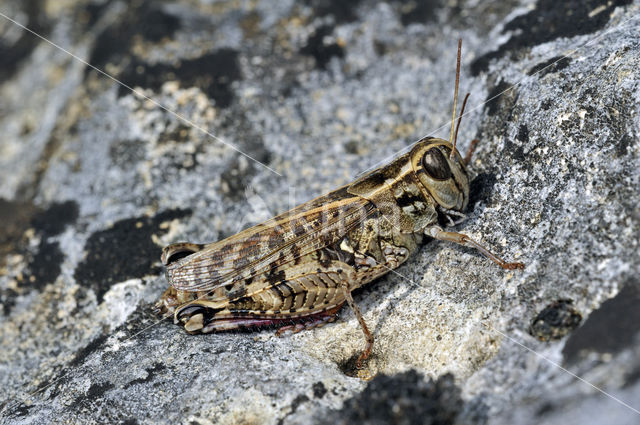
{"x":436,"y":165}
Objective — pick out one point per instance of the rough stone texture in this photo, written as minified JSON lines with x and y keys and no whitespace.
{"x":95,"y":180}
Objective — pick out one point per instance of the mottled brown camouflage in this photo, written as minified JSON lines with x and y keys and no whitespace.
{"x":295,"y":265}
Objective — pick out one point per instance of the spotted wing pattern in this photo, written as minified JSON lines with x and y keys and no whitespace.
{"x":267,"y":246}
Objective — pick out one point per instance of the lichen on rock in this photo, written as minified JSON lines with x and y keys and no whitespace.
{"x":269,"y":104}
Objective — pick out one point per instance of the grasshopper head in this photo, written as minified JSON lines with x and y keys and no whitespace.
{"x":442,"y":176}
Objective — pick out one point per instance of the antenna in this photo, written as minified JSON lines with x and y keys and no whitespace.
{"x":455,"y":101}
{"x":455,"y":138}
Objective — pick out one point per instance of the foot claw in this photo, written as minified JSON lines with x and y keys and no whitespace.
{"x":513,"y":266}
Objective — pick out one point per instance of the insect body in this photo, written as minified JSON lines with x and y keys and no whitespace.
{"x":299,"y":268}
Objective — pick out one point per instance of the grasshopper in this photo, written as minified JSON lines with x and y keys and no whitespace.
{"x":298,"y":269}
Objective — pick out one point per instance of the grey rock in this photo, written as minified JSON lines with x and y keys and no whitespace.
{"x":95,"y":180}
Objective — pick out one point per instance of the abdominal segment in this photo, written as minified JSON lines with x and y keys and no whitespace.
{"x":293,"y":294}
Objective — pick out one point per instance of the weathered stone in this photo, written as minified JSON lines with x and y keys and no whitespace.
{"x":94,"y":180}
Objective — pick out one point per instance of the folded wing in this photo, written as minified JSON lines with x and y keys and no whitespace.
{"x":314,"y":225}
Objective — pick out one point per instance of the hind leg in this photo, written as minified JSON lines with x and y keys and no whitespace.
{"x":314,"y":322}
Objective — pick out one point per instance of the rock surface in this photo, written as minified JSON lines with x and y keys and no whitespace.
{"x":94,"y":180}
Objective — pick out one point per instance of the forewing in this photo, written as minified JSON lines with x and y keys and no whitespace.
{"x":291,"y":235}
